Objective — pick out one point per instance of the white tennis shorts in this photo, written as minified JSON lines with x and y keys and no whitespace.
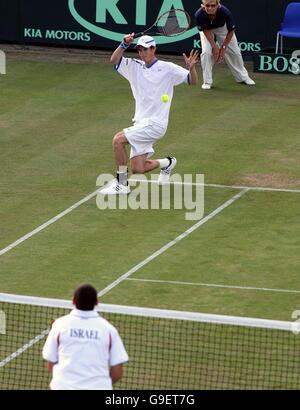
{"x":141,"y":137}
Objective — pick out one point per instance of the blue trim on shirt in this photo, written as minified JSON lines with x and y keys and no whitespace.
{"x":118,"y":65}
{"x":223,"y":16}
{"x":150,"y":65}
{"x":137,"y":61}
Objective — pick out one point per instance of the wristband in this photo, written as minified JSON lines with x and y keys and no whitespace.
{"x":124,"y":45}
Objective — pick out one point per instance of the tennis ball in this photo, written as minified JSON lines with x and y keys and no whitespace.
{"x":165,"y":98}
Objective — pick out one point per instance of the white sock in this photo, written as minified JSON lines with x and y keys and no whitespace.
{"x":122,"y":175}
{"x":163,"y":163}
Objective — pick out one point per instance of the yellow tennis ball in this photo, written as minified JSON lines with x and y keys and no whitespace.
{"x":165,"y":98}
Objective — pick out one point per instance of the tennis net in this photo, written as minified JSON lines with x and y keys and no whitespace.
{"x":167,"y":349}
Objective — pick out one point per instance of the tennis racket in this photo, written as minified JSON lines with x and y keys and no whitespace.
{"x":171,"y":23}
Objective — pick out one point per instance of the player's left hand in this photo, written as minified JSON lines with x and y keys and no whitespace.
{"x":192,"y":60}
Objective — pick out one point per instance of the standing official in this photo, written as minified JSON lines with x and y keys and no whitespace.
{"x":218,"y":41}
{"x":83,"y":350}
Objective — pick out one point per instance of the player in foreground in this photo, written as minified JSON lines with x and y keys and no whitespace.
{"x":83,"y":350}
{"x":218,"y":41}
{"x":152,"y":82}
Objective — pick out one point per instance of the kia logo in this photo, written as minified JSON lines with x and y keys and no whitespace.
{"x":104,"y":7}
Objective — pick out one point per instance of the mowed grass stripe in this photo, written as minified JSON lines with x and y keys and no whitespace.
{"x":172,"y":243}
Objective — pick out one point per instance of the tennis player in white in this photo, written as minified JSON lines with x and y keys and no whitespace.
{"x":83,"y":350}
{"x":149,"y":79}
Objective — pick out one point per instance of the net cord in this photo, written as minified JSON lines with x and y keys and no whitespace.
{"x":157,"y":313}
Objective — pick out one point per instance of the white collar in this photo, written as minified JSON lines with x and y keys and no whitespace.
{"x":84,"y":313}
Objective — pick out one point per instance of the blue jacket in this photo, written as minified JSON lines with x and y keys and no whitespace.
{"x":223,"y":16}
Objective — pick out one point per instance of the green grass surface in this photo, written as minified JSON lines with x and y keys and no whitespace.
{"x":57,"y":121}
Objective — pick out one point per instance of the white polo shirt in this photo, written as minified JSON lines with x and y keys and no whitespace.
{"x":148,"y":84}
{"x":84,"y":346}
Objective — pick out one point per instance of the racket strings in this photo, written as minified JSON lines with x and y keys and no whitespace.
{"x":173,"y":23}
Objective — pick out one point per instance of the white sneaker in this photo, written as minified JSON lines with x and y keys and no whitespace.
{"x":114,"y":188}
{"x":164,"y":176}
{"x":206,"y":86}
{"x":249,"y":81}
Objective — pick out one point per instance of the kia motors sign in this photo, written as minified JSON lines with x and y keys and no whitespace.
{"x":103,"y":23}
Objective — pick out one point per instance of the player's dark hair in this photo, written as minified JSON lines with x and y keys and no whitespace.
{"x":85,"y":297}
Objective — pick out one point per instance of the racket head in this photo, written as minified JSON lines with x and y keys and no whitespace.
{"x":173,"y":22}
{"x":169,"y":24}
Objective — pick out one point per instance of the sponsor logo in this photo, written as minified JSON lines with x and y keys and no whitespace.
{"x":243,"y":46}
{"x":56,"y":34}
{"x":111,"y":10}
{"x":278,"y":63}
{"x":249,"y":46}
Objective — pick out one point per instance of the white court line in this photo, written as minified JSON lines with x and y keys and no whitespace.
{"x":249,"y":188}
{"x":214,"y":285}
{"x":264,"y":189}
{"x":46,"y":224}
{"x":23,"y":349}
{"x":172,"y":243}
{"x":90,"y":196}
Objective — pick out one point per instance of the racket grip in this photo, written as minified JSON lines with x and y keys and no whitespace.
{"x":139,"y":34}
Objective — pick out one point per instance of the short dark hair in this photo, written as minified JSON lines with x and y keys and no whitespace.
{"x":85,"y":297}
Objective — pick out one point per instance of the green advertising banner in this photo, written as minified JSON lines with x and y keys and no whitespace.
{"x":103,"y":23}
{"x":277,"y":63}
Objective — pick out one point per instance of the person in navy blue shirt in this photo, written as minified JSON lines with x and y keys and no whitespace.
{"x":218,"y":41}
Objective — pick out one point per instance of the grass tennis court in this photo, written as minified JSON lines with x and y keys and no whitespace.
{"x":57,"y":120}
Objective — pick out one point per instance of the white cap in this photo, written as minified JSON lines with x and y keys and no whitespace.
{"x":146,"y":41}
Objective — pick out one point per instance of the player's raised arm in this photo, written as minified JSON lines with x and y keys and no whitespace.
{"x":191,"y":62}
{"x":119,"y":51}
